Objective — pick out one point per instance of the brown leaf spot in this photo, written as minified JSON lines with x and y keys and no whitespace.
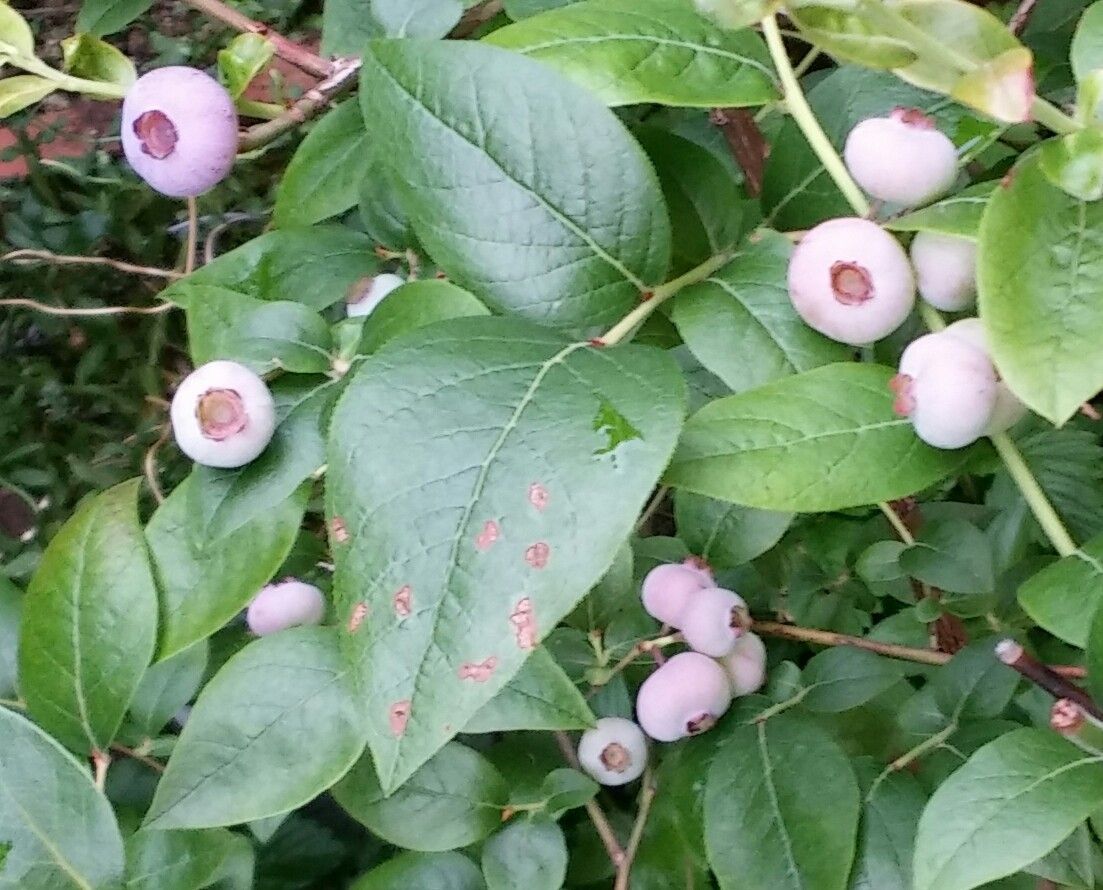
{"x":487,"y":536}
{"x":524,"y":624}
{"x":399,"y":716}
{"x":339,"y":530}
{"x":403,"y":603}
{"x":479,"y":671}
{"x":538,"y":496}
{"x":537,"y":555}
{"x":359,"y":613}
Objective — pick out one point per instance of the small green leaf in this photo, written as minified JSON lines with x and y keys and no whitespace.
{"x":822,"y":440}
{"x":843,"y":678}
{"x":275,"y":727}
{"x":1086,"y":52}
{"x":541,"y":696}
{"x":454,"y":799}
{"x":959,"y":214}
{"x":242,"y":60}
{"x":103,"y":17}
{"x":205,"y":581}
{"x":174,"y":860}
{"x":1095,"y":654}
{"x":974,"y":684}
{"x":891,"y":808}
{"x":849,"y":38}
{"x":58,"y":831}
{"x":415,"y":18}
{"x":89,"y":622}
{"x":439,"y":871}
{"x":324,"y":175}
{"x":566,"y":789}
{"x":952,"y":555}
{"x":1061,"y":595}
{"x":87,"y":56}
{"x":526,"y":853}
{"x":1014,"y":800}
{"x":1074,"y":163}
{"x":634,"y":51}
{"x":414,"y":305}
{"x":22,"y":90}
{"x":726,"y":535}
{"x":16,"y":37}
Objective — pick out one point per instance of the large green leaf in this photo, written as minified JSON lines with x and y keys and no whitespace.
{"x":726,"y":535}
{"x":414,"y":305}
{"x":822,"y":440}
{"x":891,"y":807}
{"x":100,"y":17}
{"x":540,"y":696}
{"x":454,"y":799}
{"x":175,"y":860}
{"x":56,"y":831}
{"x":166,"y":687}
{"x":1086,"y":52}
{"x":1014,"y":800}
{"x":974,"y":683}
{"x":89,"y":622}
{"x":323,"y":177}
{"x":313,"y":265}
{"x":634,"y":51}
{"x":1039,"y":272}
{"x":522,"y":186}
{"x":525,"y":461}
{"x":952,"y":555}
{"x":529,"y":853}
{"x":842,"y":678}
{"x":741,"y":324}
{"x":1061,"y":596}
{"x":205,"y":580}
{"x":439,"y":871}
{"x":781,"y":808}
{"x":276,"y":726}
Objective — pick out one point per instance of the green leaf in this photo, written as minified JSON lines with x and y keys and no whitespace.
{"x":481,"y":142}
{"x":297,"y":451}
{"x":1095,"y":653}
{"x":952,"y":555}
{"x":381,"y":211}
{"x":1074,"y":163}
{"x":540,"y":696}
{"x":263,"y":335}
{"x":879,"y":567}
{"x":974,"y":684}
{"x":275,"y":727}
{"x":314,"y":266}
{"x":769,"y":788}
{"x":741,"y":324}
{"x":89,"y":622}
{"x":726,"y":535}
{"x":1002,"y":88}
{"x":246,"y":56}
{"x":175,"y":860}
{"x":1069,"y":864}
{"x":959,"y":214}
{"x":324,"y":175}
{"x":843,"y":678}
{"x":527,"y":461}
{"x":1038,"y":273}
{"x":11,"y":612}
{"x":16,"y":37}
{"x":1086,"y":52}
{"x":414,"y":305}
{"x":629,"y":52}
{"x":58,"y":831}
{"x":87,"y":56}
{"x":566,"y":789}
{"x":415,"y":18}
{"x":22,"y":90}
{"x":849,"y":38}
{"x":454,"y":799}
{"x":1061,"y":595}
{"x":205,"y":581}
{"x":822,"y":440}
{"x":431,"y":871}
{"x":526,"y":853}
{"x":891,"y":809}
{"x":166,"y":687}
{"x":103,"y":17}
{"x":1014,"y":800}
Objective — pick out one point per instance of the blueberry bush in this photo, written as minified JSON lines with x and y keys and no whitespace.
{"x":633,"y":443}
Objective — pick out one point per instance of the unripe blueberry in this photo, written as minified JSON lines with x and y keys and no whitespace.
{"x":851,"y":281}
{"x":614,"y":752}
{"x":683,"y":697}
{"x":285,"y":604}
{"x":667,"y":590}
{"x":368,"y":293}
{"x":179,"y":130}
{"x":947,"y":387}
{"x":223,"y":415}
{"x":903,"y":158}
{"x":1009,"y":410}
{"x":945,"y":270}
{"x":746,"y":664}
{"x":713,"y":620}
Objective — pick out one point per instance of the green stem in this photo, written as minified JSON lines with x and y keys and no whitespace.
{"x":805,"y":118}
{"x":265,"y":111}
{"x":1043,"y":510}
{"x":897,"y":523}
{"x":98,"y":88}
{"x":1049,"y":115}
{"x":931,"y":317}
{"x":782,"y":706}
{"x":908,"y":757}
{"x":660,"y":295}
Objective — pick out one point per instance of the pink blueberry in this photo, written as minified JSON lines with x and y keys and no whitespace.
{"x":613,"y":752}
{"x":746,"y":664}
{"x":285,"y":604}
{"x":713,"y":620}
{"x":683,"y":697}
{"x":667,"y":590}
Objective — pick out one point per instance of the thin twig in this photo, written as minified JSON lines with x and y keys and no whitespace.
{"x":641,"y":648}
{"x":341,"y":79}
{"x":897,"y":523}
{"x":596,"y":814}
{"x":58,"y":259}
{"x":1021,"y":18}
{"x":475,"y":18}
{"x":104,"y":310}
{"x":1015,"y":656}
{"x":287,"y":49}
{"x":647,"y":797}
{"x":745,"y":142}
{"x":149,"y":464}
{"x":193,"y":235}
{"x":651,"y":507}
{"x":141,"y":758}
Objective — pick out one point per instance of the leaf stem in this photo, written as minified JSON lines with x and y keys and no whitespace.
{"x":596,"y":814}
{"x":647,"y":797}
{"x":1035,"y":497}
{"x":897,"y":523}
{"x":660,"y":295}
{"x":98,"y":88}
{"x":805,"y":118}
{"x":643,"y":647}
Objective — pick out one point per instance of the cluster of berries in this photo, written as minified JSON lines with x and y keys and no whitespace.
{"x":690,"y":691}
{"x":851,"y":280}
